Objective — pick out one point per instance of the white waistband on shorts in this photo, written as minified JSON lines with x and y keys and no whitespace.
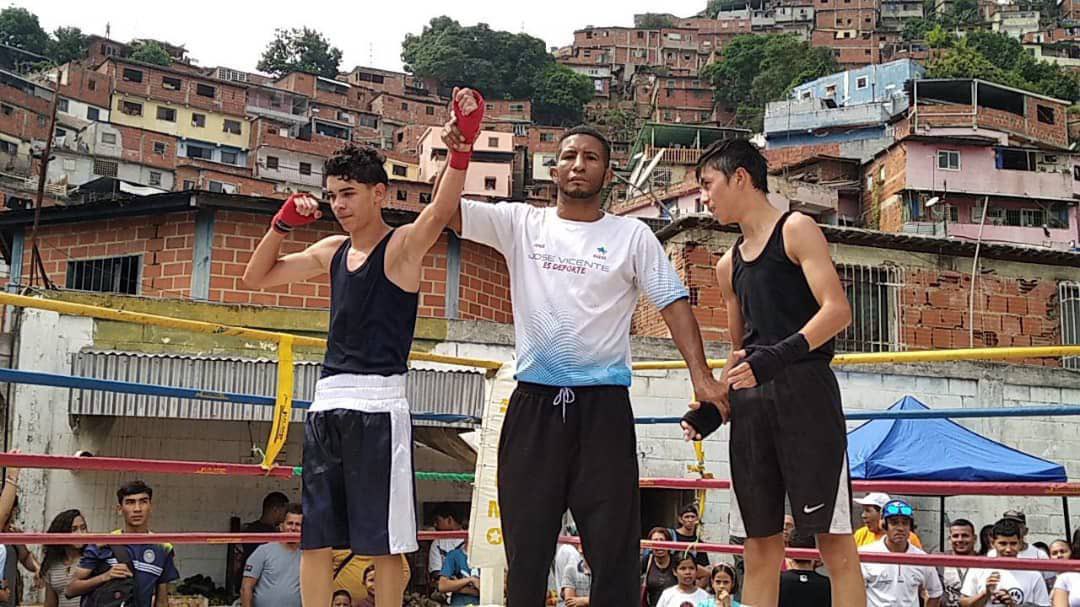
{"x":366,"y":392}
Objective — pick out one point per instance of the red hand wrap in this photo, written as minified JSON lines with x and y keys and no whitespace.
{"x":470,"y":129}
{"x":288,"y":217}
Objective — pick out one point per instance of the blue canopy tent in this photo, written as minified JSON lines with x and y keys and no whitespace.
{"x":941,"y":450}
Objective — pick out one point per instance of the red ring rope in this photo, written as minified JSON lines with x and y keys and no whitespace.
{"x":240,"y":538}
{"x":116,"y":464}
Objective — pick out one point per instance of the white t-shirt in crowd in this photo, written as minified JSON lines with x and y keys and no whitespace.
{"x":675,"y":597}
{"x":439,"y":549}
{"x":574,"y":287}
{"x":1031,"y":552}
{"x":898,"y":585}
{"x":1070,"y":584}
{"x":1026,"y":587}
{"x":565,"y":556}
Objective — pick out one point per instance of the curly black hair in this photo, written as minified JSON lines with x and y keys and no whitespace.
{"x":359,"y":163}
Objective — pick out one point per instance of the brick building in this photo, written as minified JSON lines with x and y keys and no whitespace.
{"x":906,"y":291}
{"x":195,"y":245}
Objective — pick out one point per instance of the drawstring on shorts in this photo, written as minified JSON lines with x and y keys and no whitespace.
{"x":563,"y":398}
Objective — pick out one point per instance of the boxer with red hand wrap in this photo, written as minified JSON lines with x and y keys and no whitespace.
{"x":468,"y":115}
{"x":298,"y":210}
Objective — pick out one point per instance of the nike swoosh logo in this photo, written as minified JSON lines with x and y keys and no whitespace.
{"x":809,"y":510}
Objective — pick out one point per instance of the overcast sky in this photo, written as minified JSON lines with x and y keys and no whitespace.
{"x":234,"y":33}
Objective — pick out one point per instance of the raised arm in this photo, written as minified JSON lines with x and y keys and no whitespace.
{"x":467,"y":110}
{"x":268,"y":268}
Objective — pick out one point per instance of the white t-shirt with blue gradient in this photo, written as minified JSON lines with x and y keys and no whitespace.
{"x":574,"y":287}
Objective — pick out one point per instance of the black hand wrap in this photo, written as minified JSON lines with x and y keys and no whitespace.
{"x":705,"y":420}
{"x":767,"y":361}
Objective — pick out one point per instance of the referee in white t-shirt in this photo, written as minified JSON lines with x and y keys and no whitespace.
{"x":576,"y":274}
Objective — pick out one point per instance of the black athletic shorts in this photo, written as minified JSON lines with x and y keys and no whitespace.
{"x":359,"y":488}
{"x":788,"y":438}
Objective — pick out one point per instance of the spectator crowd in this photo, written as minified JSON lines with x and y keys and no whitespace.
{"x":90,"y":575}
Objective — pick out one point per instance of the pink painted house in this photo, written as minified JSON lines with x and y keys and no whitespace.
{"x":490,"y":173}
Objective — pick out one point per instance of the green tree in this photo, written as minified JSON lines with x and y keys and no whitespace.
{"x":917,"y":28}
{"x":300,"y":50}
{"x":938,"y":37}
{"x":150,"y":52}
{"x":999,"y":49}
{"x":998,"y":58}
{"x":561,"y":95}
{"x":67,"y":44}
{"x":754,"y":70}
{"x":500,"y":64}
{"x":617,"y":123}
{"x":653,"y":21}
{"x":961,"y":13}
{"x":1047,"y":78}
{"x":964,"y":61}
{"x":20,"y":28}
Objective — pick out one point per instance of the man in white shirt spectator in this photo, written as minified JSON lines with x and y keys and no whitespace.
{"x":1027,"y":551}
{"x":962,"y":543}
{"x":899,"y":585}
{"x":1005,"y":587}
{"x":445,"y":520}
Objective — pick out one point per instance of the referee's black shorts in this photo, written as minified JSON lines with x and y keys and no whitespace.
{"x":788,"y":438}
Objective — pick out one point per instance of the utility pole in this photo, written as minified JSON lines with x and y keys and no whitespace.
{"x":46,"y":157}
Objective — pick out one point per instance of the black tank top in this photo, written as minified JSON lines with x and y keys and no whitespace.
{"x":775,"y":299}
{"x":371,"y":318}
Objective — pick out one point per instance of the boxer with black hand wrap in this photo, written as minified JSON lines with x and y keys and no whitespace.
{"x":788,"y":442}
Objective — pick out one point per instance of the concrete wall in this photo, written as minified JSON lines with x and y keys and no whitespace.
{"x":883,"y":81}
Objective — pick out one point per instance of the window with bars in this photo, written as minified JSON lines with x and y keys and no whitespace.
{"x":874,"y":295}
{"x":109,"y":275}
{"x":1069,"y":295}
{"x":106,"y":168}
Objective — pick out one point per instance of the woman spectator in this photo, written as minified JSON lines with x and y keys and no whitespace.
{"x":59,"y":560}
{"x":1066,"y":592}
{"x":1060,"y":550}
{"x":986,"y":540}
{"x":658,"y":572}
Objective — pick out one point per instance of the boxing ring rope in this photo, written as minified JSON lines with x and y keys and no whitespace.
{"x":279,"y":429}
{"x":195,"y":468}
{"x":947,"y":560}
{"x":913,"y":356}
{"x":283,"y":404}
{"x":56,"y":380}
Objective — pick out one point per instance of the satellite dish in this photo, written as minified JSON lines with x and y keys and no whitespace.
{"x":637,"y":162}
{"x":648,"y":171}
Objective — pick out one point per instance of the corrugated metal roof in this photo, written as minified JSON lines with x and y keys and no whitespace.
{"x":429,"y":391}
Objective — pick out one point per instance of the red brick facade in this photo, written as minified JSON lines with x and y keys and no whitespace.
{"x":86,"y":85}
{"x":410,"y":110}
{"x":165,"y":243}
{"x":138,"y":147}
{"x":1029,"y":127}
{"x":201,"y":173}
{"x":267,"y":133}
{"x":933,"y":311}
{"x":161,"y":84}
{"x":485,"y":285}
